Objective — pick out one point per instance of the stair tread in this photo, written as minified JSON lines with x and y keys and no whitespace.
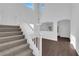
{"x":10,"y":36}
{"x":11,"y":42}
{"x":9,"y":28}
{"x":10,"y":32}
{"x":27,"y":52}
{"x":4,"y":34}
{"x":7,"y":51}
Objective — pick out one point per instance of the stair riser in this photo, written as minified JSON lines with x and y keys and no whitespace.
{"x":10,"y":45}
{"x":13,"y":53}
{"x":11,"y":39}
{"x":9,"y":34}
{"x":9,"y":30}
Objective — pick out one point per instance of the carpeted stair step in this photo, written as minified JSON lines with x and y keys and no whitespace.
{"x":27,"y":52}
{"x":5,"y":34}
{"x":11,"y":38}
{"x":14,"y":50}
{"x":8,"y":26}
{"x":11,"y":44}
{"x":9,"y":29}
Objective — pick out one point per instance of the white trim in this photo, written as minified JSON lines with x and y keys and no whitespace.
{"x":73,"y":42}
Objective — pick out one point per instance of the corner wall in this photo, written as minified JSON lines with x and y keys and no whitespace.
{"x":75,"y":26}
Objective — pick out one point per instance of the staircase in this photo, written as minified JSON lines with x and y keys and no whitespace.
{"x":12,"y":42}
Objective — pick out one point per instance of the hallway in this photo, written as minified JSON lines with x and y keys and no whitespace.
{"x":60,"y":48}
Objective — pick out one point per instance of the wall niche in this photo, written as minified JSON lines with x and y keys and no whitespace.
{"x":46,"y":26}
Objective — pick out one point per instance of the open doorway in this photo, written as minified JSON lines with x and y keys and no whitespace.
{"x":63,"y":30}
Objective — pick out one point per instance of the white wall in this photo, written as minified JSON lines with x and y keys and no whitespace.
{"x":75,"y":26}
{"x":55,"y":12}
{"x":15,"y":14}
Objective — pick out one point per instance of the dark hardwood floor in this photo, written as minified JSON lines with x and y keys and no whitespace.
{"x":57,"y":48}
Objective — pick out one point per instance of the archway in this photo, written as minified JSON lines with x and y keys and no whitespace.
{"x":63,"y":30}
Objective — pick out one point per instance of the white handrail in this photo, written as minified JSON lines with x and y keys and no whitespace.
{"x":30,"y":27}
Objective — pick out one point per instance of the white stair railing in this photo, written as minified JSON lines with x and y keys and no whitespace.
{"x":31,"y":38}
